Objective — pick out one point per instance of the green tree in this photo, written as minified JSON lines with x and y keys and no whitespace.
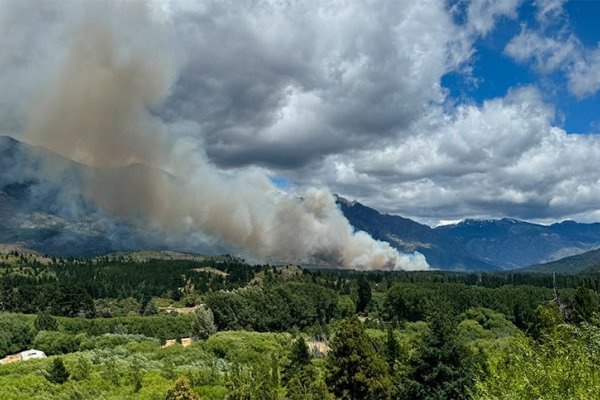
{"x":545,"y":320}
{"x":182,"y":390}
{"x":203,"y":324}
{"x":150,"y":308}
{"x":354,"y":369}
{"x":584,"y":305}
{"x":45,"y":322}
{"x":392,"y":349}
{"x":345,"y":307}
{"x":58,"y":373}
{"x":52,"y":343}
{"x":441,"y":369}
{"x":15,"y":334}
{"x":299,"y":357}
{"x":307,"y":385}
{"x":364,"y":294}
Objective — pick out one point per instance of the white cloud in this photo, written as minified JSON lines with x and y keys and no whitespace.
{"x":282,"y":85}
{"x":503,"y":158}
{"x":549,"y":11}
{"x":482,"y":14}
{"x":348,"y":94}
{"x":547,"y":54}
{"x":550,"y":50}
{"x":584,"y":76}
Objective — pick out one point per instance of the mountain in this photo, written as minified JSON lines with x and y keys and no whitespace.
{"x":581,"y":263}
{"x":441,"y":250}
{"x":43,"y":208}
{"x":49,"y":214}
{"x":477,"y":244}
{"x":510,"y":243}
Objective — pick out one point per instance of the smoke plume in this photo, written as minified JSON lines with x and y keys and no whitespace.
{"x":99,"y":104}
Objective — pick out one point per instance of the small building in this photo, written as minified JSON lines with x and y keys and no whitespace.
{"x":185,"y":342}
{"x":23,"y":356}
{"x":169,"y":343}
{"x":31,"y":354}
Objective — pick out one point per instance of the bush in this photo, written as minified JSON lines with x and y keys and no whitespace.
{"x":51,"y":342}
{"x":15,"y":333}
{"x":181,"y":390}
{"x":110,"y":341}
{"x":45,"y":322}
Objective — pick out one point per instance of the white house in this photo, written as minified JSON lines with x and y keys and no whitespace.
{"x":31,"y":354}
{"x":23,"y":356}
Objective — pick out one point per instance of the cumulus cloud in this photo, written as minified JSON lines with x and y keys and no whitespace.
{"x":284,"y":84}
{"x":584,"y":75}
{"x":502,"y":158}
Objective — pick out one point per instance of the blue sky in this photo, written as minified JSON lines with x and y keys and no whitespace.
{"x":494,"y":72}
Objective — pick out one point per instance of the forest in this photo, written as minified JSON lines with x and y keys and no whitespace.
{"x":118,"y":328}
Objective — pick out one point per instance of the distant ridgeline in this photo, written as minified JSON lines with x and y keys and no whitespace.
{"x":54,"y":218}
{"x":480,"y":245}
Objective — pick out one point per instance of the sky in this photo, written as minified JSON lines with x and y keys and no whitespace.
{"x":433,"y":110}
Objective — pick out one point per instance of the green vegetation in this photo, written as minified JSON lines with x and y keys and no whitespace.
{"x":263,"y":332}
{"x":355,"y":370}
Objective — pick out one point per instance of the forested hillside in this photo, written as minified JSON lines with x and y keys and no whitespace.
{"x":283,"y":332}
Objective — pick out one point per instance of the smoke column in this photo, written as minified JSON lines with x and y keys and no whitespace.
{"x":97,"y":107}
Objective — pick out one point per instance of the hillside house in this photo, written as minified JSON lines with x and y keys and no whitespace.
{"x":23,"y":356}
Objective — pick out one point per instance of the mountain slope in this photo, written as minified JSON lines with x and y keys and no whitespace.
{"x":51,"y":215}
{"x":43,"y":207}
{"x":510,"y":243}
{"x":477,"y":244}
{"x":584,"y":262}
{"x":441,"y":251}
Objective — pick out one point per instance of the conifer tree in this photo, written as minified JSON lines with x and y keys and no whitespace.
{"x":299,"y":358}
{"x":355,"y":370}
{"x":364,"y":294}
{"x":58,"y":373}
{"x":392,"y":349}
{"x":441,"y":370}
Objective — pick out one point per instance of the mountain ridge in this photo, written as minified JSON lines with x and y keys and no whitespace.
{"x":477,"y":244}
{"x":54,"y":218}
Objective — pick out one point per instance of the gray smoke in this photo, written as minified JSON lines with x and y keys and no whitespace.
{"x":98,"y":103}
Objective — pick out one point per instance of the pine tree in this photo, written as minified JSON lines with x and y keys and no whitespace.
{"x":584,"y":306}
{"x":392,"y":349}
{"x":204,"y":323}
{"x":364,"y":295}
{"x":299,"y":358}
{"x":355,"y":370}
{"x":441,"y":370}
{"x":58,"y":372}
